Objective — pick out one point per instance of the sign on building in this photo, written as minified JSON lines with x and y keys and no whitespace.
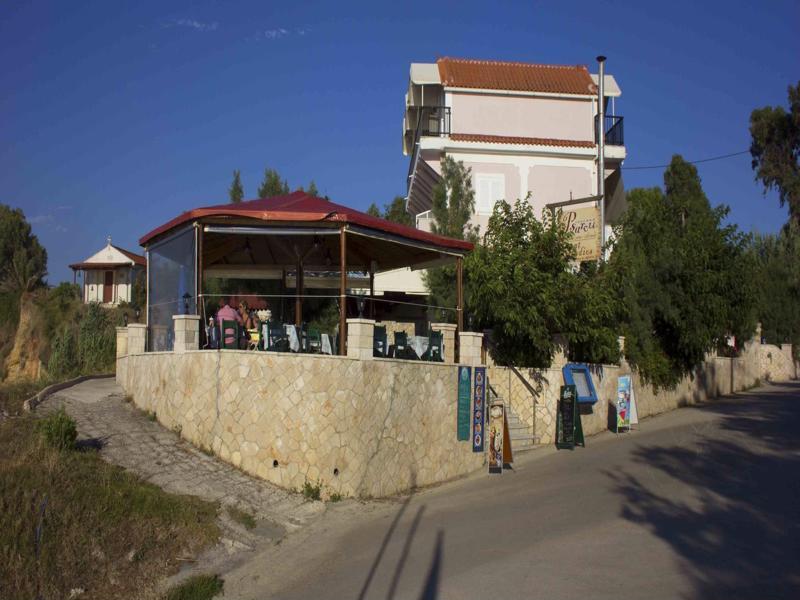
{"x":584,"y":225}
{"x":462,"y":407}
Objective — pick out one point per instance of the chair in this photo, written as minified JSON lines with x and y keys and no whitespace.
{"x":401,"y":347}
{"x":278,"y":340}
{"x":253,"y":338}
{"x":434,"y":352}
{"x":314,"y":341}
{"x":229,"y":337}
{"x":379,"y":345}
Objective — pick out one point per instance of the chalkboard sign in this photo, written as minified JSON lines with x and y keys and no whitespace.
{"x":462,"y":407}
{"x":569,"y":431}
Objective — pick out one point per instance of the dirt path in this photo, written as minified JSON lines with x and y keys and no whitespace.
{"x":126,"y":437}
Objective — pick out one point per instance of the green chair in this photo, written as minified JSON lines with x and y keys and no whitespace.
{"x":314,"y":341}
{"x":379,"y":344}
{"x":278,"y":340}
{"x":229,"y":335}
{"x":435,"y":350}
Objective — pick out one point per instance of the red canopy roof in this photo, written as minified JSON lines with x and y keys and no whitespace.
{"x":300,"y":207}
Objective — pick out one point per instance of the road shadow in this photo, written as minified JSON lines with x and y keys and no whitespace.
{"x":739,"y":537}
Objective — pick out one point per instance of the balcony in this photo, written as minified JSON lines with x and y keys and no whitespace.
{"x":434,"y":121}
{"x":613,"y":131}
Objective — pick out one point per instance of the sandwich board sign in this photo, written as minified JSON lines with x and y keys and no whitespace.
{"x":497,"y":434}
{"x":623,"y":403}
{"x":569,"y":430}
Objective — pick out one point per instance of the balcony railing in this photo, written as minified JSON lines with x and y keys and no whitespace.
{"x":613,"y":131}
{"x":432,"y":121}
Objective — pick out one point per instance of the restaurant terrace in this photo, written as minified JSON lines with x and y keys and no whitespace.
{"x":293,"y":258}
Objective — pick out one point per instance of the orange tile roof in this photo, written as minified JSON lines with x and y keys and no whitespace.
{"x":515,"y":76}
{"x":136,"y":258}
{"x":510,"y":139}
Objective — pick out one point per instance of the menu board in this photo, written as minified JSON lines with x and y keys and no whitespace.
{"x":478,"y":408}
{"x":462,"y":408}
{"x":496,"y":429}
{"x":565,"y":417}
{"x":565,"y":424}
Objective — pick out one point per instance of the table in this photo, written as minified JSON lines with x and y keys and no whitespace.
{"x":294,"y":340}
{"x":419,"y":343}
{"x":327,"y":347}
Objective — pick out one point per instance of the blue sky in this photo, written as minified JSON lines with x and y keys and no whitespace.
{"x":115,"y":117}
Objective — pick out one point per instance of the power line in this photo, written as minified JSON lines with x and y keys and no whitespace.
{"x":693,"y":162}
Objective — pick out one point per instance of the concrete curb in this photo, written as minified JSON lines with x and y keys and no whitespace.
{"x":31,"y":403}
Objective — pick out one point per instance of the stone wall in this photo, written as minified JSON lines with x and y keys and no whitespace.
{"x":535,"y":403}
{"x":367,"y":428}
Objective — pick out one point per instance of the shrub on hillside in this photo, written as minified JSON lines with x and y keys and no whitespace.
{"x":63,"y":361}
{"x":58,"y":430}
{"x":96,"y":341}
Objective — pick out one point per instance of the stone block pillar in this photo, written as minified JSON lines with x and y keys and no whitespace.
{"x":448,"y":339}
{"x":122,"y":341}
{"x":470,"y":345}
{"x":359,"y":338}
{"x":137,"y":336}
{"x":187,"y":333}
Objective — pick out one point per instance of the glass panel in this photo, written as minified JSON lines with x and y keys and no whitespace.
{"x":171,"y":288}
{"x":579,"y":377}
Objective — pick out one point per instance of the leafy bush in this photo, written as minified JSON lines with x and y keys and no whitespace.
{"x":96,"y":341}
{"x":58,"y":430}
{"x":199,"y":587}
{"x":312,"y":491}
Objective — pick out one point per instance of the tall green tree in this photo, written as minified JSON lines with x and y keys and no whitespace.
{"x":312,"y":189}
{"x":778,"y":284}
{"x":775,"y":149}
{"x":682,"y":275}
{"x":453,"y":205}
{"x":394,"y":211}
{"x":23,"y":261}
{"x":272,"y":185}
{"x":519,"y":276}
{"x":236,"y":191}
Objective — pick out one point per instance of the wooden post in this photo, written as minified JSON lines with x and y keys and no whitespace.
{"x":298,"y":301}
{"x":199,"y":279}
{"x":342,"y":292}
{"x":460,"y":292}
{"x":371,"y":294}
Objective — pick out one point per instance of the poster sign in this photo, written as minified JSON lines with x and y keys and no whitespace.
{"x":478,"y":408}
{"x":569,"y":430}
{"x":462,"y":409}
{"x":623,"y":402}
{"x":496,"y":428}
{"x":634,"y":418}
{"x":584,"y":225}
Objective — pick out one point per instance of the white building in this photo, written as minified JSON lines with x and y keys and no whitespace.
{"x":108,"y":275}
{"x":521,"y":128}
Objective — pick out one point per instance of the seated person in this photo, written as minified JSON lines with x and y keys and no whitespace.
{"x":226,"y":313}
{"x":250,"y":324}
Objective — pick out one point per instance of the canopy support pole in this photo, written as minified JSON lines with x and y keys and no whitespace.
{"x":371,"y":294}
{"x":460,"y":292}
{"x":298,"y":288}
{"x":199,"y":278}
{"x":342,"y":292}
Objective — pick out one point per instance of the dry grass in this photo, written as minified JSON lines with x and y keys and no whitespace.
{"x":70,"y":520}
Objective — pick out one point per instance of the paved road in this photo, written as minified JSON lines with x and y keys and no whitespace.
{"x":698,"y":503}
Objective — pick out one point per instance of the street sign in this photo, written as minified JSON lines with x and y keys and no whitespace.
{"x":478,"y":408}
{"x":462,"y":408}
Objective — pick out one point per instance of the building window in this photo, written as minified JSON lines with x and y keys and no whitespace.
{"x":489,"y":188}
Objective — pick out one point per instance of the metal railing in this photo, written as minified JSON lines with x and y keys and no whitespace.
{"x":613,"y":130}
{"x":432,"y":121}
